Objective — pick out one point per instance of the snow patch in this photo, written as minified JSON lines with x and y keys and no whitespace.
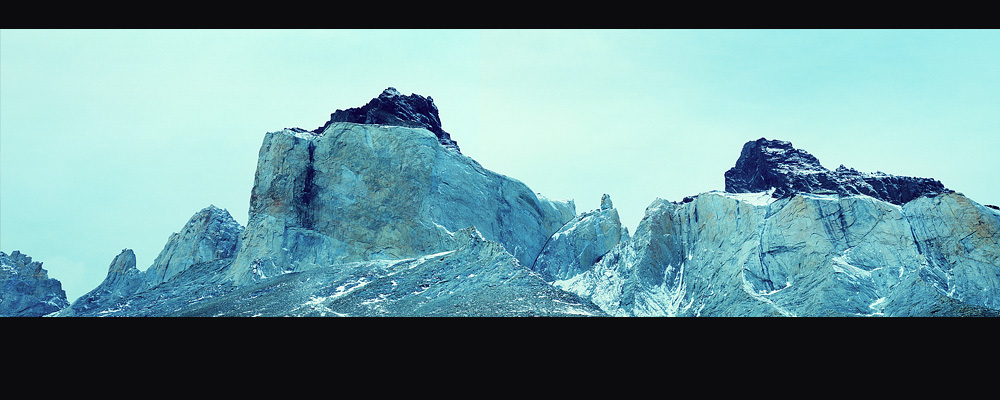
{"x":753,"y":198}
{"x":423,"y":259}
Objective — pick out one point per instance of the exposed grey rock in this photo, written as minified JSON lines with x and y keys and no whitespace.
{"x":724,"y":254}
{"x":207,"y":242}
{"x":477,"y":278}
{"x":764,"y":164}
{"x":958,"y":238}
{"x":377,"y":214}
{"x":580,"y":243}
{"x":209,"y":235}
{"x":123,"y":280}
{"x":26,"y":289}
{"x":361,"y":192}
{"x":606,"y":202}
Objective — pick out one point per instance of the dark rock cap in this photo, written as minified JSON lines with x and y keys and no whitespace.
{"x":766,"y":164}
{"x":395,"y":109}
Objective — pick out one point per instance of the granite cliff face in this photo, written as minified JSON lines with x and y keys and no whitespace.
{"x":377,"y":213}
{"x":26,"y":289}
{"x":581,"y":242}
{"x":380,"y":218}
{"x":804,"y":245}
{"x":358,"y":192}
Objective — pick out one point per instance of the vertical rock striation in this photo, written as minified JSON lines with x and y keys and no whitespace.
{"x":368,"y":191}
{"x":809,"y":242}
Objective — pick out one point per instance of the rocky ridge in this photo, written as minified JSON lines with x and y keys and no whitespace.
{"x":206,"y":242}
{"x":384,"y":218}
{"x":26,"y":289}
{"x":581,"y":242}
{"x":724,"y":254}
{"x":351,"y":205}
{"x":765,"y":164}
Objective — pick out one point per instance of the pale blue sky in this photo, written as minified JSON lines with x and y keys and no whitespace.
{"x":112,"y":139}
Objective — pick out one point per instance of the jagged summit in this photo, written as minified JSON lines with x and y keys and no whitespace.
{"x":766,"y":164}
{"x":26,"y":289}
{"x":396,"y":109}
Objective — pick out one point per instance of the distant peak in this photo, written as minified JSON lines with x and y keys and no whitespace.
{"x":764,"y":164}
{"x":396,"y":109}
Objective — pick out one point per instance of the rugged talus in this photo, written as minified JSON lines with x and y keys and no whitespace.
{"x":477,"y":278}
{"x":26,"y":289}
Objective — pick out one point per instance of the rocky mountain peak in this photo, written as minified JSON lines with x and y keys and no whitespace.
{"x":764,"y":164}
{"x":26,"y":289}
{"x":209,"y":234}
{"x":396,"y":109}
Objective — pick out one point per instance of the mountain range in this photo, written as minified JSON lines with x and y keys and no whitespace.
{"x":378,"y":213}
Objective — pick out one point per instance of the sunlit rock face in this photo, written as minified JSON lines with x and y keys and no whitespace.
{"x":26,"y":289}
{"x":765,"y":164}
